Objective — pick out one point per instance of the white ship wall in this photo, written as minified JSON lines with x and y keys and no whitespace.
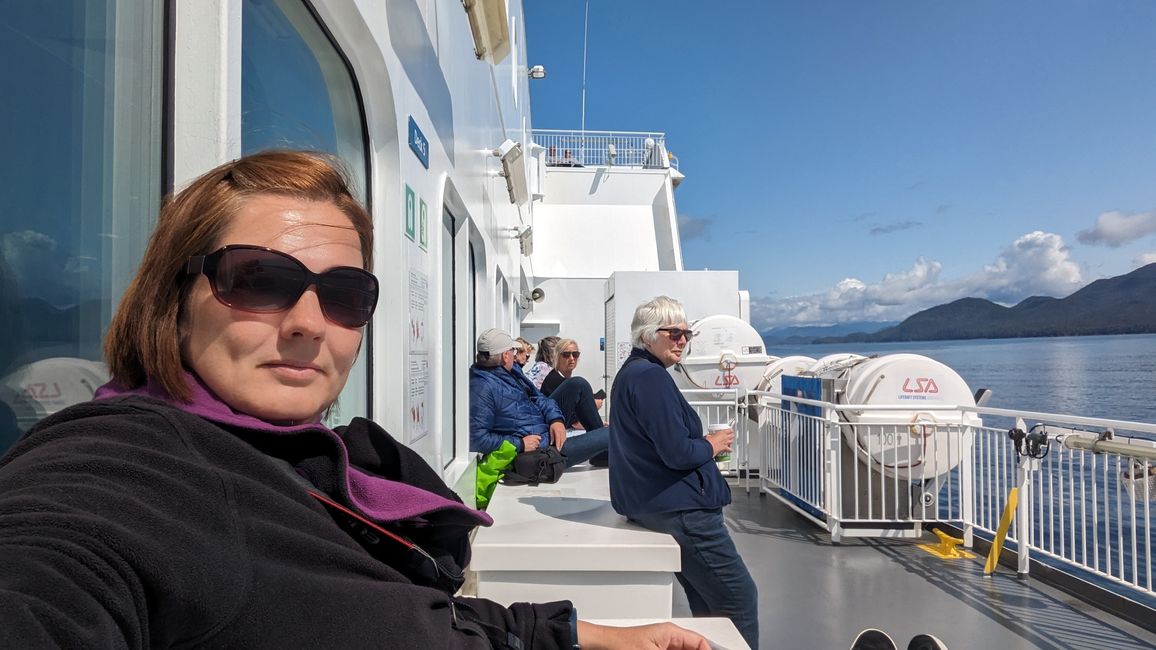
{"x":590,"y":223}
{"x":702,"y":294}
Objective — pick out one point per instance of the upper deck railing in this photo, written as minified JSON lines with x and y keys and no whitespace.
{"x":605,"y":148}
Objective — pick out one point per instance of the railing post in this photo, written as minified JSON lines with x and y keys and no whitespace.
{"x":833,"y":471}
{"x":741,"y":422}
{"x":967,"y":465}
{"x":1027,"y":468}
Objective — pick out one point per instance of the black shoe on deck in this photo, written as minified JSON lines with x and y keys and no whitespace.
{"x":872,"y":639}
{"x":925,"y":642}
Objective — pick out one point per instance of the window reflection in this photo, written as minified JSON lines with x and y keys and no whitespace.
{"x":297,"y":92}
{"x":81,"y":184}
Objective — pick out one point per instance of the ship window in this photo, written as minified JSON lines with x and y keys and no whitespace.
{"x":82,"y":177}
{"x":298,"y":92}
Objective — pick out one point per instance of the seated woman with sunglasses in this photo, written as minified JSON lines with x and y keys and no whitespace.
{"x":662,"y":470}
{"x":574,"y":395}
{"x":199,"y":501}
{"x":565,"y":361}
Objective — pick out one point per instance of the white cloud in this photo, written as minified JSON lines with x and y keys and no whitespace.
{"x":1035,"y":264}
{"x":1144,"y":260}
{"x":40,"y":269}
{"x":693,"y":228}
{"x":1118,"y":228}
{"x":29,"y":254}
{"x":894,"y":227}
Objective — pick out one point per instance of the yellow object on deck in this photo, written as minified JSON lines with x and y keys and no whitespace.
{"x":947,"y":548}
{"x":1009,"y":511}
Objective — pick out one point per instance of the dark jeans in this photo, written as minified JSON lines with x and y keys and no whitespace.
{"x":576,"y":399}
{"x":713,"y":574}
{"x":590,"y":446}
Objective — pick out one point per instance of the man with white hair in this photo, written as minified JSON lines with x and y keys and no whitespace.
{"x":506,"y":406}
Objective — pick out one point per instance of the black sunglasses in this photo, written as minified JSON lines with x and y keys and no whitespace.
{"x":570,"y":355}
{"x":263,"y":280}
{"x":677,"y":333}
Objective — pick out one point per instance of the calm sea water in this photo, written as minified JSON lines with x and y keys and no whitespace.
{"x":1093,"y":376}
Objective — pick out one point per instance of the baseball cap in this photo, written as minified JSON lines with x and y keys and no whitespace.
{"x":495,"y":341}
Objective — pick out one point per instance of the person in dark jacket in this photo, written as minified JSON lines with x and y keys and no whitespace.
{"x":662,"y":470}
{"x":505,"y":406}
{"x":199,"y":501}
{"x":565,"y":361}
{"x":579,"y":403}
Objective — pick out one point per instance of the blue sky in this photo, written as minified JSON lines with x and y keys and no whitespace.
{"x":863,"y":160}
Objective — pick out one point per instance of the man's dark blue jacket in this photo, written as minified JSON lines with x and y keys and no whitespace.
{"x":659,"y":461}
{"x":505,"y":405}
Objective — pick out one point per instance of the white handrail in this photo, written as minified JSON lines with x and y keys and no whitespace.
{"x":1085,"y":503}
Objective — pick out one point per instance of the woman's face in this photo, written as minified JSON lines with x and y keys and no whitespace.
{"x":287,"y":366}
{"x":667,"y":347}
{"x":567,"y":359}
{"x":522,"y":356}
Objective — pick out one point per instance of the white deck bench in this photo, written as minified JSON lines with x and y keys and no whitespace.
{"x":565,"y":542}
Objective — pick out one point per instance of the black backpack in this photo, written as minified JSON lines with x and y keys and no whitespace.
{"x":543,"y":465}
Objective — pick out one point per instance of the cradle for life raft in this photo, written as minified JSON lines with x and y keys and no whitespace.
{"x":905,"y":429}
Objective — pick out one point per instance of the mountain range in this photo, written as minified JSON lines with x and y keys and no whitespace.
{"x":797,"y":334}
{"x":1125,"y":304}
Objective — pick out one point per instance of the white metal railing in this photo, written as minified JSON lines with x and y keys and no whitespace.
{"x":1080,"y":503}
{"x":604,"y":148}
{"x":1083,"y":502}
{"x":866,"y":470}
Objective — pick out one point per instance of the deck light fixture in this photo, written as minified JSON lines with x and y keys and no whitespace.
{"x":514,"y":171}
{"x":526,"y":243}
{"x":537,"y":72}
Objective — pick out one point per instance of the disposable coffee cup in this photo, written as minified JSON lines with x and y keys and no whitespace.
{"x":715,"y":428}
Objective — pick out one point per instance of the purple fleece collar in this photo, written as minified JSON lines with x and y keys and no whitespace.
{"x":379,"y":498}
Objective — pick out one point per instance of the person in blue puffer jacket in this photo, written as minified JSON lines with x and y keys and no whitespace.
{"x":505,"y":405}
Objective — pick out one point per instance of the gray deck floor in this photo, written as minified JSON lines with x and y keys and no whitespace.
{"x":815,"y":594}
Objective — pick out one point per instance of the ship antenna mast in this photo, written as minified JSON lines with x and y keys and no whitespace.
{"x":585,"y":31}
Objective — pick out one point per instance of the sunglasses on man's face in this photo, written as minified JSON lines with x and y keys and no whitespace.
{"x":263,"y":280}
{"x":569,"y":355}
{"x":676,"y":333}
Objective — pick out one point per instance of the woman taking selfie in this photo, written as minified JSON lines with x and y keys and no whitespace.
{"x":199,"y":501}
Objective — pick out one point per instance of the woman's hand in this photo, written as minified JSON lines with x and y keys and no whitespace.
{"x":656,"y":636}
{"x":721,"y":441}
{"x":531,"y":442}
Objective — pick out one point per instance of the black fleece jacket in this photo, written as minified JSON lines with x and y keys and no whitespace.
{"x":129,"y":523}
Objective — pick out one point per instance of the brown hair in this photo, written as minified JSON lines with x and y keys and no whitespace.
{"x":525,"y":346}
{"x":145,"y":336}
{"x":547,"y":348}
